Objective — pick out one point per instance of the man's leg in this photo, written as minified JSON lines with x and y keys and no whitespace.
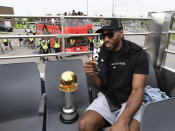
{"x":97,"y":115}
{"x":91,"y":121}
{"x":134,"y":125}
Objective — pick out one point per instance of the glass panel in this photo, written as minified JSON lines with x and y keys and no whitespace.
{"x":170,"y":61}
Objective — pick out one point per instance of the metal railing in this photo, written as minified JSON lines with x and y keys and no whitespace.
{"x":166,"y":37}
{"x":171,"y":32}
{"x":75,"y":17}
{"x":170,"y":51}
{"x":167,"y":50}
{"x":62,"y":35}
{"x":66,"y":54}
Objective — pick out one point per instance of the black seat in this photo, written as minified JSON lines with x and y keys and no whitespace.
{"x":20,"y":94}
{"x":159,"y":116}
{"x":55,"y":98}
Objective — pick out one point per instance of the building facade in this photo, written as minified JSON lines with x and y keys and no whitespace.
{"x":7,"y":11}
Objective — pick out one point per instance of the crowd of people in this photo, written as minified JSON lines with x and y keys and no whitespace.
{"x":74,"y":13}
{"x":56,"y":21}
{"x":42,"y":45}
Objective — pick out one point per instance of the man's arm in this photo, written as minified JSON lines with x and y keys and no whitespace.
{"x":141,"y":69}
{"x":133,"y":103}
{"x":135,"y":99}
{"x":96,"y":80}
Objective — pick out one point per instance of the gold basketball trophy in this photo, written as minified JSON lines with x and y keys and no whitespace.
{"x":68,"y":85}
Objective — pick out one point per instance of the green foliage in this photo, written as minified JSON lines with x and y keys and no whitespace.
{"x":172,"y":37}
{"x":31,"y":19}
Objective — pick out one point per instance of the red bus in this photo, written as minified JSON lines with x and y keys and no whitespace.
{"x":72,"y":26}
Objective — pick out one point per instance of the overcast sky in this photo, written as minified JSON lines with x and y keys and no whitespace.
{"x":96,"y":7}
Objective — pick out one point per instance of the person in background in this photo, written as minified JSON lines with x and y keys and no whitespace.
{"x":91,"y":44}
{"x":57,"y":47}
{"x":45,"y":49}
{"x":20,"y":40}
{"x":5,"y":42}
{"x":48,"y":43}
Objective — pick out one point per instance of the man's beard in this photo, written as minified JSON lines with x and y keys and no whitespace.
{"x":115,"y":46}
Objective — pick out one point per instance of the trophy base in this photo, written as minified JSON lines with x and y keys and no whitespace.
{"x":68,"y":118}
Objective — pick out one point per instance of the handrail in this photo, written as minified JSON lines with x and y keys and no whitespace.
{"x":169,"y":51}
{"x":141,"y":33}
{"x":168,"y":68}
{"x":30,"y":36}
{"x":96,"y":34}
{"x":101,"y":17}
{"x":171,"y":32}
{"x":74,"y":17}
{"x":47,"y":55}
{"x":64,"y":35}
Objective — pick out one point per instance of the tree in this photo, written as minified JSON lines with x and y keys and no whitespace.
{"x":31,"y":19}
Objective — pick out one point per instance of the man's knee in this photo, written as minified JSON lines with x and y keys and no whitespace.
{"x":86,"y":125}
{"x":91,"y":121}
{"x":134,"y":125}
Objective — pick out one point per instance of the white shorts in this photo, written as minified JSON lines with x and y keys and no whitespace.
{"x":101,"y":106}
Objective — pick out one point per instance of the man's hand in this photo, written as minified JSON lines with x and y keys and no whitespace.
{"x":90,"y":67}
{"x":91,"y":70}
{"x":120,"y":126}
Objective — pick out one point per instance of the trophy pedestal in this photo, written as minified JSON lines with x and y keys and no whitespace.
{"x":69,"y":116}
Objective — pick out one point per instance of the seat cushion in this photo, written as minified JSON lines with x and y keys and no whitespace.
{"x":25,"y":124}
{"x":159,"y":116}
